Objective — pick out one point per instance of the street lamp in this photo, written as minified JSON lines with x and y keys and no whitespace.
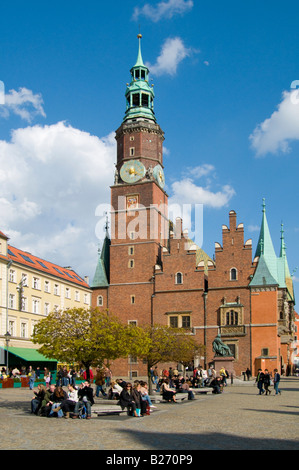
{"x":7,"y":337}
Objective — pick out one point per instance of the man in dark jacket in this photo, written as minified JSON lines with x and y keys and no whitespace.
{"x":85,"y":395}
{"x":260,"y":381}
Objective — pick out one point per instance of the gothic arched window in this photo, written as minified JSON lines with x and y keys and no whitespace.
{"x":179,"y":278}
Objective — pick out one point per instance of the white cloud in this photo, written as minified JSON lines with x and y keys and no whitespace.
{"x":253,"y":228}
{"x":275,"y":133}
{"x":23,"y":103}
{"x":166,"y":9}
{"x":172,"y":53}
{"x":187,"y":192}
{"x":52,"y":178}
{"x":201,"y":170}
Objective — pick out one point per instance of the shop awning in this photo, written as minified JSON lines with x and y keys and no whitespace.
{"x":28,"y":354}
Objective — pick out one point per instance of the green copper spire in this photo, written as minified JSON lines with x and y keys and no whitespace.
{"x":139,"y":94}
{"x":284,"y":275}
{"x":139,"y":62}
{"x":265,"y":246}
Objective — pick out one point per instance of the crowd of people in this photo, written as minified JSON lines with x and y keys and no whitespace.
{"x":197,"y":378}
{"x":56,"y":402}
{"x":66,"y":399}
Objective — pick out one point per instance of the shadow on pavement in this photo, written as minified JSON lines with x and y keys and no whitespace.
{"x":211,"y":441}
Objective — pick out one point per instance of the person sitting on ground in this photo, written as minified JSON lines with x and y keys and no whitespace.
{"x":126,"y":400}
{"x":114,"y":391}
{"x":167,"y":393}
{"x":69,"y":404}
{"x":37,"y":400}
{"x":58,"y":397}
{"x":216,"y":385}
{"x":85,"y":397}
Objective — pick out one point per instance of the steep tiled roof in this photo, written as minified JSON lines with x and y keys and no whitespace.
{"x":32,"y":261}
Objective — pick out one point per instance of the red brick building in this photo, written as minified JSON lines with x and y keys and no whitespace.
{"x":150,"y":272}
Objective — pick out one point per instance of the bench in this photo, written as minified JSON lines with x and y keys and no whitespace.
{"x":107,"y":410}
{"x":201,"y":391}
{"x":159,"y":399}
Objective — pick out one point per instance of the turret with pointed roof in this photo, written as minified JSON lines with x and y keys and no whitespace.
{"x":266,"y":272}
{"x":102,"y":272}
{"x":139,"y":94}
{"x":271,"y":270}
{"x":284,"y":275}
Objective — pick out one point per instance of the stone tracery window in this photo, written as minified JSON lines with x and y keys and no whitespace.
{"x":232,"y":317}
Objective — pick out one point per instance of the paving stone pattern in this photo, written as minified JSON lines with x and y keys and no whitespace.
{"x":238,"y":419}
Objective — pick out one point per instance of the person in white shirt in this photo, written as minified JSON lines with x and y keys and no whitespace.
{"x":68,"y":405}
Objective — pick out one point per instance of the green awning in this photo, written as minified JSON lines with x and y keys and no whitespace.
{"x":28,"y":354}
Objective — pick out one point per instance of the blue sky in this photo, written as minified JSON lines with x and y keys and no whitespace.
{"x":226,"y":79}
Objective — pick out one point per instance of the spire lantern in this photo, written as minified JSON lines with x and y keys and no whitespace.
{"x":139,"y":94}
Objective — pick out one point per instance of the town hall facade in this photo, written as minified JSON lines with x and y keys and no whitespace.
{"x":149,"y":272}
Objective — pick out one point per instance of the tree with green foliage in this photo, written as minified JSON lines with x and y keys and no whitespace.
{"x":167,"y":344}
{"x":87,"y":336}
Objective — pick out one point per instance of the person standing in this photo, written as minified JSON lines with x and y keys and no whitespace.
{"x":156,"y":377}
{"x":100,"y":381}
{"x":267,"y":381}
{"x":260,"y":381}
{"x":223,"y":376}
{"x":108,"y":377}
{"x":32,"y":376}
{"x":248,"y":373}
{"x":276,"y":382}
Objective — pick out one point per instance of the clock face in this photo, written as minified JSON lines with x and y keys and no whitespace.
{"x":159,"y":175}
{"x":132,"y":171}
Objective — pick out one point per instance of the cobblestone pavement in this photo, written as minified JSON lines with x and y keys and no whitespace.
{"x":238,"y":419}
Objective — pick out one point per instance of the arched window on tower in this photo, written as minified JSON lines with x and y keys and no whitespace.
{"x":179,"y":278}
{"x":100,"y":301}
{"x":233,"y":274}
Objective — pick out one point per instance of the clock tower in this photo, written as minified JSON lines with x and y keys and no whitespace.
{"x":139,"y":218}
